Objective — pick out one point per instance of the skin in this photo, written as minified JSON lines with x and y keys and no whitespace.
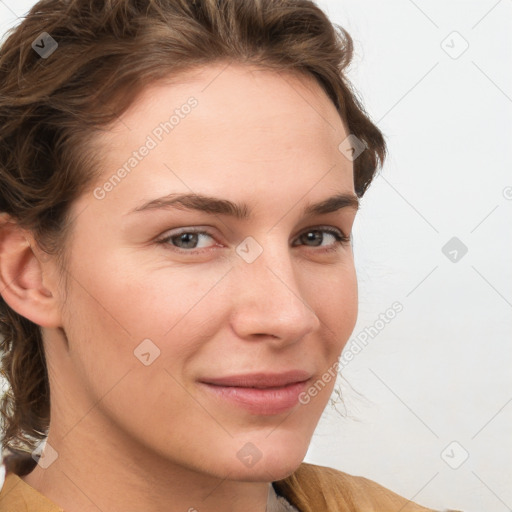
{"x":136,"y":437}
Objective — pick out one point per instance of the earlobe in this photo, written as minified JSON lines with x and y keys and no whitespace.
{"x":22,"y":283}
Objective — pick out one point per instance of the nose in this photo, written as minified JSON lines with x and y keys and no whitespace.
{"x":268,"y":300}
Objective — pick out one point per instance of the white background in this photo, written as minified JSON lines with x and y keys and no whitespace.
{"x":439,"y":371}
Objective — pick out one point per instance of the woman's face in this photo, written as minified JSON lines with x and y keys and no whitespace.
{"x":161,"y":298}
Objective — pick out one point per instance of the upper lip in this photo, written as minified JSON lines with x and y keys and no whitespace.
{"x":261,"y":379}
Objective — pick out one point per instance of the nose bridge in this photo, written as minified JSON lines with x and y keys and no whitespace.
{"x":268,"y":299}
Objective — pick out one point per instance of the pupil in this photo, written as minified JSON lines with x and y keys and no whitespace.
{"x":316,"y":237}
{"x":187,"y":238}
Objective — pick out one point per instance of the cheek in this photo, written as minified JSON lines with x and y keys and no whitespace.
{"x":347,"y":304}
{"x":119,"y":311}
{"x":112,"y":323}
{"x":135,"y":301}
{"x":333,"y":294}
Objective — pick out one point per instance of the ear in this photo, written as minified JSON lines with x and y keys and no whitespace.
{"x":23,"y":276}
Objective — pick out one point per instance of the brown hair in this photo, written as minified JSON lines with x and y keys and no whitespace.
{"x":108,"y":51}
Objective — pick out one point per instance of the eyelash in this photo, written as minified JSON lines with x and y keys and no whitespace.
{"x":341,"y":239}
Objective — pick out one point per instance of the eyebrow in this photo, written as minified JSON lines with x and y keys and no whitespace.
{"x":241,"y":211}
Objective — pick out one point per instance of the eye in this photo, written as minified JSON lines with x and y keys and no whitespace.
{"x":317,"y":236}
{"x":189,"y":240}
{"x":186,"y":239}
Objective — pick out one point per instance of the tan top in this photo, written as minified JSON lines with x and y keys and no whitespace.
{"x":310,"y":488}
{"x":313,"y":488}
{"x":18,"y":496}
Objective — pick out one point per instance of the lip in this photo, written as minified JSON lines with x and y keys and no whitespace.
{"x":260,"y":379}
{"x":261,"y":393}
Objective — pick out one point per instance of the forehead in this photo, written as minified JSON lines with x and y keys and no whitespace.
{"x":231,"y":98}
{"x":219,"y":129}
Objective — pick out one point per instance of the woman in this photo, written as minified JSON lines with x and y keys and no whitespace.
{"x":179,"y":181}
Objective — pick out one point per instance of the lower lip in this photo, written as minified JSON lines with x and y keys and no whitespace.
{"x":261,"y":401}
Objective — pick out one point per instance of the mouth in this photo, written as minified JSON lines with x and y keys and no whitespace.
{"x":261,"y":380}
{"x":260,"y":394}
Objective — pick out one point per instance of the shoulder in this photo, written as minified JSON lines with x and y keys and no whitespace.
{"x":313,"y":488}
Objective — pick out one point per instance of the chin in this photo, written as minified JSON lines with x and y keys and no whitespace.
{"x":276,"y":461}
{"x":285,"y":466}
